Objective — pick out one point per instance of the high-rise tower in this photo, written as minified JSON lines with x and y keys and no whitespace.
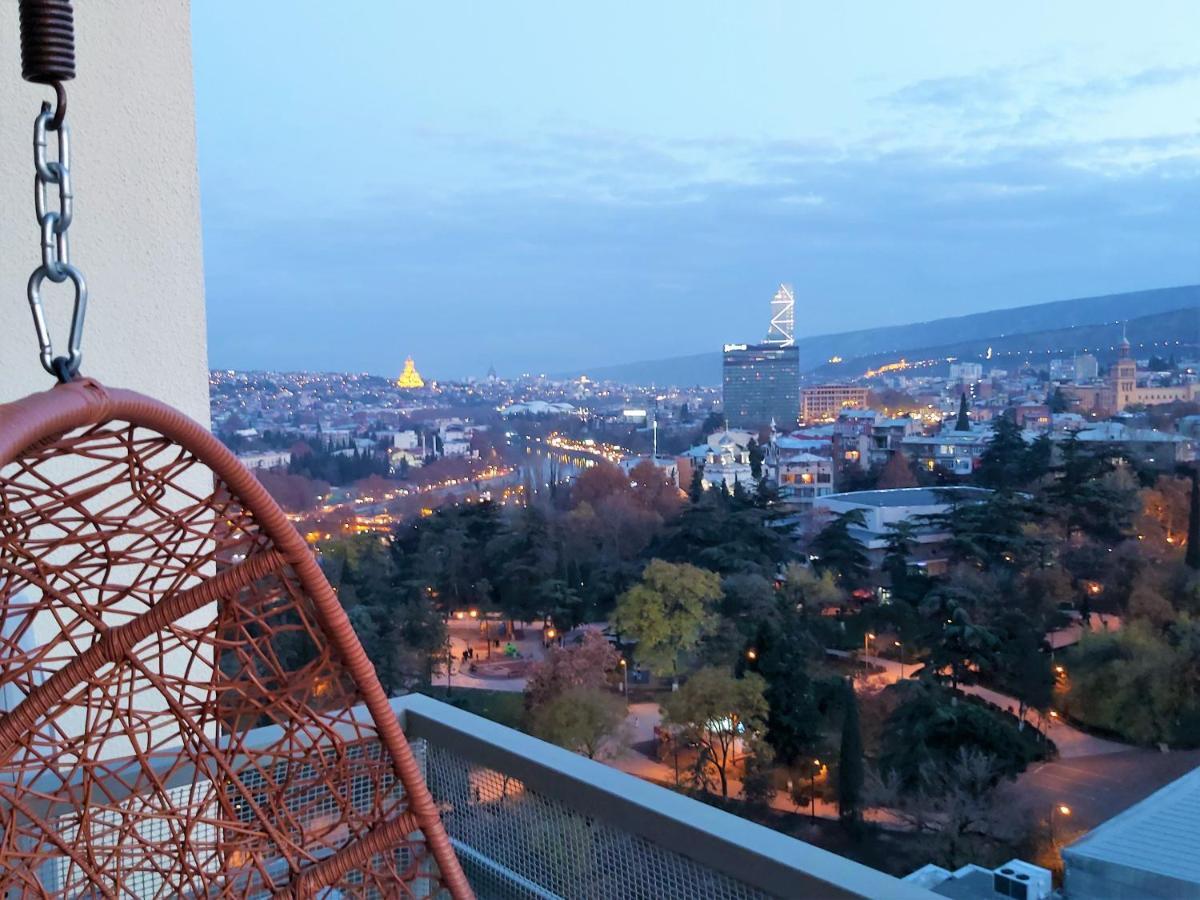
{"x":782,"y":330}
{"x":761,"y":382}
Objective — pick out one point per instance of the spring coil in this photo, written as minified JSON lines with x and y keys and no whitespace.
{"x":47,"y":41}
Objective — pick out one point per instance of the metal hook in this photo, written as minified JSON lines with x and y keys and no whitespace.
{"x":60,"y":111}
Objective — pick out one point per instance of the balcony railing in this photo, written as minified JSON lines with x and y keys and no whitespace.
{"x":530,"y":820}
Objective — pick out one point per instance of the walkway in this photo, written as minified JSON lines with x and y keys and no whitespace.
{"x":1071,"y":741}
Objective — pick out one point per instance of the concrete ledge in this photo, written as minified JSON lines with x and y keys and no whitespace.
{"x":754,"y":855}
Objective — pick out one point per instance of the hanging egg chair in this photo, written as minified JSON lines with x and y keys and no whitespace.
{"x":187,"y":709}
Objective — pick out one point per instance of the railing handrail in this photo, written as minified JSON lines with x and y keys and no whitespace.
{"x":718,"y":840}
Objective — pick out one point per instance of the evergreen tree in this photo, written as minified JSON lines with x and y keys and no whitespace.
{"x":1003,"y":463}
{"x":1057,"y":401}
{"x":851,"y":772}
{"x":964,"y":421}
{"x":793,"y":722}
{"x":696,"y":488}
{"x":839,"y":551}
{"x":756,"y":459}
{"x":1192,"y":558}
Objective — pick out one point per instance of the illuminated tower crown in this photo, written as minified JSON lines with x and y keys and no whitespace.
{"x":410,"y":377}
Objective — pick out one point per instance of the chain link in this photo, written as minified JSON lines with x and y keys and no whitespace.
{"x":54,"y":225}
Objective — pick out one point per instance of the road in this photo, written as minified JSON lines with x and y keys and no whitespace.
{"x":1096,"y":788}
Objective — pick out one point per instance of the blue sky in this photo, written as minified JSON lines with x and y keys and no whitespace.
{"x":549,"y":185}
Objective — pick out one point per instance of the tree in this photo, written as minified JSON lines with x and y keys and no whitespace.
{"x":963,"y":423}
{"x":654,"y":490}
{"x":1086,"y":496}
{"x":1057,"y":401}
{"x":851,"y":771}
{"x":896,"y":473}
{"x":696,"y":487}
{"x":597,"y":483}
{"x":838,"y":551}
{"x":1022,"y":665}
{"x":954,"y":807}
{"x":1003,"y":463}
{"x":901,"y":539}
{"x":793,"y":723}
{"x":582,"y":719}
{"x":716,"y":712}
{"x":806,"y":591}
{"x":931,"y":726}
{"x":758,"y":776}
{"x":962,"y":647}
{"x":585,"y":665}
{"x":668,"y":612}
{"x":1142,"y":682}
{"x":1192,"y":557}
{"x":755,"y":453}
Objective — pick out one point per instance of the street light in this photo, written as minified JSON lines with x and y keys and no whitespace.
{"x":869,"y":636}
{"x":1064,"y":811}
{"x":901,"y":646}
{"x":751,"y":654}
{"x":812,"y":791}
{"x":625,"y":676}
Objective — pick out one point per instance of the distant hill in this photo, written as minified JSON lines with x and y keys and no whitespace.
{"x":1161,"y":334}
{"x":1033,"y":326}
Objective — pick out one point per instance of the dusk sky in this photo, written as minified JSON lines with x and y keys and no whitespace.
{"x":550,"y":185}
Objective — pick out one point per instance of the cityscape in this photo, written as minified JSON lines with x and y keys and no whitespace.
{"x":544,"y":451}
{"x":924,"y":616}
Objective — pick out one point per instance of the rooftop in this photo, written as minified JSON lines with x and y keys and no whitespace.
{"x":1157,"y":837}
{"x":917,"y":496}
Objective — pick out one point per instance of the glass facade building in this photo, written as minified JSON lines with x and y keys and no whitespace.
{"x":761,"y":382}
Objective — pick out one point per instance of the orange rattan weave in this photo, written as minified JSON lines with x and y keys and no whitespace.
{"x":186,"y":709}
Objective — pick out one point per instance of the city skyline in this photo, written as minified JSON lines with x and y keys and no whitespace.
{"x":646,"y":200}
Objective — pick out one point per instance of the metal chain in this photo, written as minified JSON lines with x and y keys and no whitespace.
{"x":54,"y":225}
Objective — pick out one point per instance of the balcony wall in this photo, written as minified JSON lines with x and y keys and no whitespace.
{"x":136,"y":234}
{"x":530,"y":820}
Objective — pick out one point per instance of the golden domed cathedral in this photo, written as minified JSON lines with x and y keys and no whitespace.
{"x":410,"y":377}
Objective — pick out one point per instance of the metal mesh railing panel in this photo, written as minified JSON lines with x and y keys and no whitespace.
{"x":517,"y":843}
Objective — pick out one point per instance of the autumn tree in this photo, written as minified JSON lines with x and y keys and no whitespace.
{"x":715,"y":711}
{"x":587,"y":664}
{"x":654,"y":489}
{"x":597,"y":483}
{"x":897,"y":473}
{"x":668,"y":612}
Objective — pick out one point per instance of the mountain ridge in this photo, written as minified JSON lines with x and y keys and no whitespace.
{"x":1052,"y":316}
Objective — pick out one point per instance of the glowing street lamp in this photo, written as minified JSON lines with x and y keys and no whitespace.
{"x":812,"y":791}
{"x":752,"y":654}
{"x":901,"y":646}
{"x":1062,"y":810}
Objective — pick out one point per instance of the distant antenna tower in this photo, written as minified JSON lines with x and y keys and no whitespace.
{"x":782,"y":332}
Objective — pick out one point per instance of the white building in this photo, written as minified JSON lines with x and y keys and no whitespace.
{"x":891,"y":507}
{"x":955,"y":451}
{"x":967,"y":372}
{"x":802,"y":477}
{"x":727,"y":460}
{"x":266,"y":459}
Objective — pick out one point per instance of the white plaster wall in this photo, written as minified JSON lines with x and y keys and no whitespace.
{"x":136,"y":231}
{"x":136,"y":234}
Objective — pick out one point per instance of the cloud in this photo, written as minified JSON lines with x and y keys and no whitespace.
{"x":553,"y":267}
